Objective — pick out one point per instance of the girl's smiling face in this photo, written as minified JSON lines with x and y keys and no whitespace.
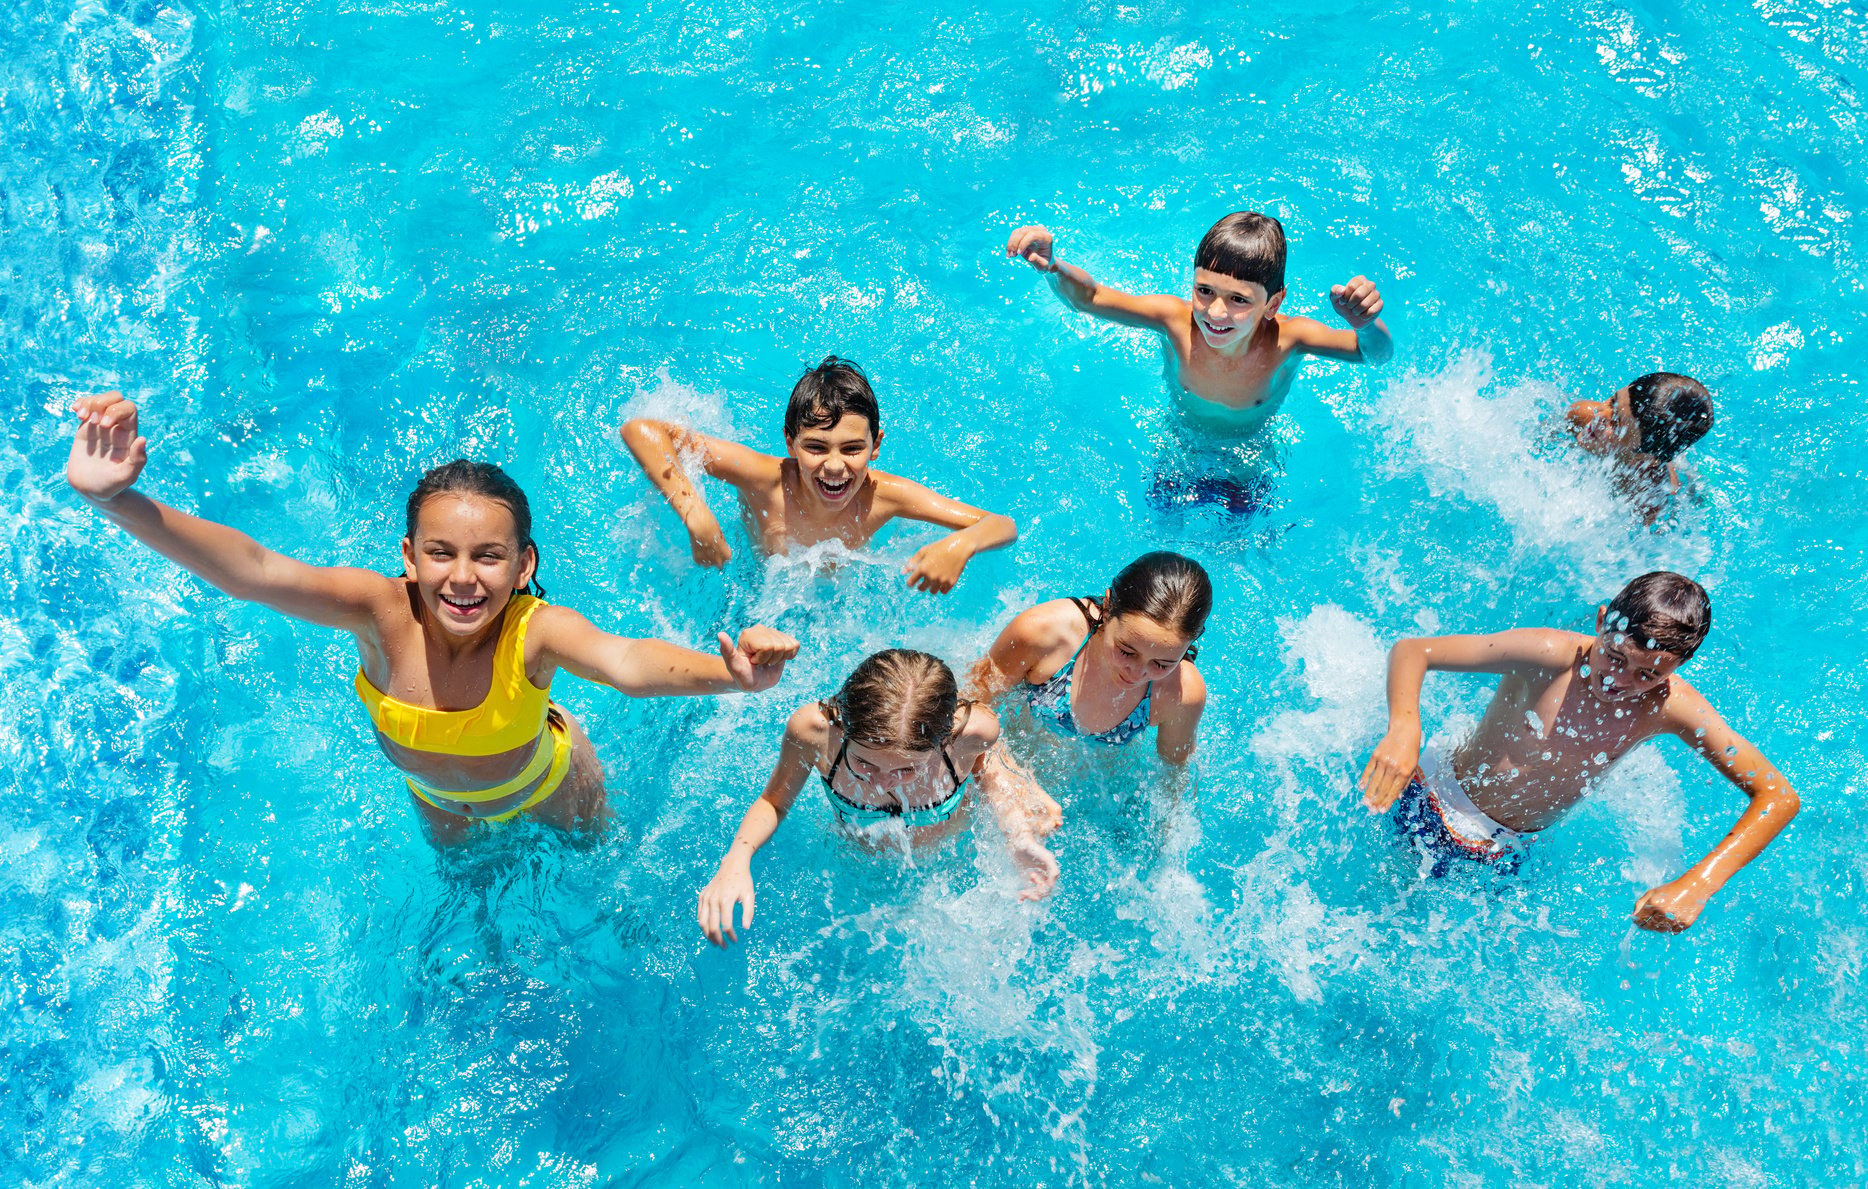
{"x":1227,"y":310}
{"x":466,"y":561}
{"x":833,"y":461}
{"x":1141,"y":650}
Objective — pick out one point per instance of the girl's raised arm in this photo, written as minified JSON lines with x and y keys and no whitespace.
{"x":732,"y":884}
{"x":107,"y":456}
{"x":656,"y":668}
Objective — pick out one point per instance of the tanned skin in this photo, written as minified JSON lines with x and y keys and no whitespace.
{"x":1567,"y":709}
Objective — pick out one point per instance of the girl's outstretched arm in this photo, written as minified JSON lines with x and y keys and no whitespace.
{"x":732,"y":883}
{"x":656,"y":668}
{"x":107,"y":456}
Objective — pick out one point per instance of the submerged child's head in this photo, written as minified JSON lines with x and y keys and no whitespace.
{"x":469,"y":546}
{"x":1660,"y":415}
{"x":1238,"y":278}
{"x":1650,"y":629}
{"x":896,"y":709}
{"x":1152,"y":614}
{"x":833,"y":430}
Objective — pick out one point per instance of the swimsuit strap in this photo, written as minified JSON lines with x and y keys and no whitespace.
{"x":830,"y":780}
{"x":1084,"y":603}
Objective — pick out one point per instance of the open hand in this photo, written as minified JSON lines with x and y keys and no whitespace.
{"x":1359,"y":302}
{"x":757,"y":659}
{"x":936,"y":568}
{"x":106,"y":454}
{"x":1038,"y":865}
{"x":1396,"y":759}
{"x":706,"y":541}
{"x":731,"y":886}
{"x":1035,"y":243}
{"x":1670,"y":908}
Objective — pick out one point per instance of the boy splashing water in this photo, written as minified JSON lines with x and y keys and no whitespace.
{"x":822,"y":490}
{"x":1568,"y":709}
{"x":1640,"y":430}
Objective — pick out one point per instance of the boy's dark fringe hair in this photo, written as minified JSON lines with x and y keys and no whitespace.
{"x":1246,"y":245}
{"x":1663,"y":611}
{"x":829,"y":392}
{"x":464,"y":477}
{"x":1172,"y":590}
{"x":898,"y":700}
{"x":1673,"y":412}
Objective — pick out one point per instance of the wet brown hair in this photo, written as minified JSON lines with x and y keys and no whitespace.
{"x":1673,"y":412}
{"x":1172,"y":590}
{"x":1664,"y":611}
{"x":464,"y":477}
{"x":897,"y":700}
{"x":1246,"y":245}
{"x":829,"y":392}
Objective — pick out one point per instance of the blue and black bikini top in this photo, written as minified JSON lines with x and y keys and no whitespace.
{"x":850,"y":813}
{"x":1050,"y":699}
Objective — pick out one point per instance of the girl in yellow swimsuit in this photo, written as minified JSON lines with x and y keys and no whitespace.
{"x":457,"y":655}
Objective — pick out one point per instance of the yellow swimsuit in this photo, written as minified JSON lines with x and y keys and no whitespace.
{"x":515,"y":713}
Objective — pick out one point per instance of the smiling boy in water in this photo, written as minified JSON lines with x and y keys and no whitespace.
{"x":823,"y":489}
{"x":1641,"y":429}
{"x":1568,"y":709}
{"x":1230,"y":353}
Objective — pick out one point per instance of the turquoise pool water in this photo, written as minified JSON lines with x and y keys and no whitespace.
{"x":333,"y":243}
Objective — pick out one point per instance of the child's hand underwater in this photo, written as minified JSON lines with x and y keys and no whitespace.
{"x":758,"y":659}
{"x":1039,"y":866}
{"x":106,"y":454}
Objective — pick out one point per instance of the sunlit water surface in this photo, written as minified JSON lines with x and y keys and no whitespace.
{"x":331,"y":244}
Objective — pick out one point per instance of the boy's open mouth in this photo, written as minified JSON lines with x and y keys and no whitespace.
{"x":462,"y":607}
{"x":834,"y":491}
{"x":1216,"y":332}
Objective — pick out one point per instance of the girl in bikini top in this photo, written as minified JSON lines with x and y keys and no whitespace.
{"x":1132,"y":662}
{"x":895,"y":745}
{"x":457,"y":655}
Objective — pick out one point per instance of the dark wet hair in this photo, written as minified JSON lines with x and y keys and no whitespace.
{"x":1673,"y":412}
{"x":1246,"y":245}
{"x":897,"y":700}
{"x":1172,"y":590}
{"x":1663,"y":611}
{"x":829,"y":392}
{"x":462,"y":477}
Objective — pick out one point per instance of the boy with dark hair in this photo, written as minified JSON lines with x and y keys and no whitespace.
{"x":1641,"y":429}
{"x":1568,"y":709}
{"x":822,"y":490}
{"x":1230,"y":353}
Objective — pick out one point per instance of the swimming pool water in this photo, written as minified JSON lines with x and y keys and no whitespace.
{"x":330,"y":244}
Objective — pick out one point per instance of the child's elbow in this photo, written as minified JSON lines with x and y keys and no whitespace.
{"x":1782,"y":804}
{"x":640,"y":433}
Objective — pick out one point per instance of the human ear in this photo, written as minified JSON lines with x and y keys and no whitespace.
{"x":875,"y":447}
{"x":408,"y":559}
{"x":530,"y":567}
{"x":1273,"y":302}
{"x":1602,"y":618}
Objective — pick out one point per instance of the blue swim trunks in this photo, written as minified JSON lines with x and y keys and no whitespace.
{"x":1442,"y":823}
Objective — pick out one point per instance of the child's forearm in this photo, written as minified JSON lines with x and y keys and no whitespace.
{"x":1767,"y":815}
{"x":1375,"y":343}
{"x":1407,"y":669}
{"x":1072,"y":284}
{"x":654,"y":446}
{"x":992,"y":531}
{"x":755,"y":830}
{"x":658,"y":669}
{"x":225,"y":558}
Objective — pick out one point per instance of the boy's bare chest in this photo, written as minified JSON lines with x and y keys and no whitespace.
{"x":777,"y":523}
{"x":1254,"y":378}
